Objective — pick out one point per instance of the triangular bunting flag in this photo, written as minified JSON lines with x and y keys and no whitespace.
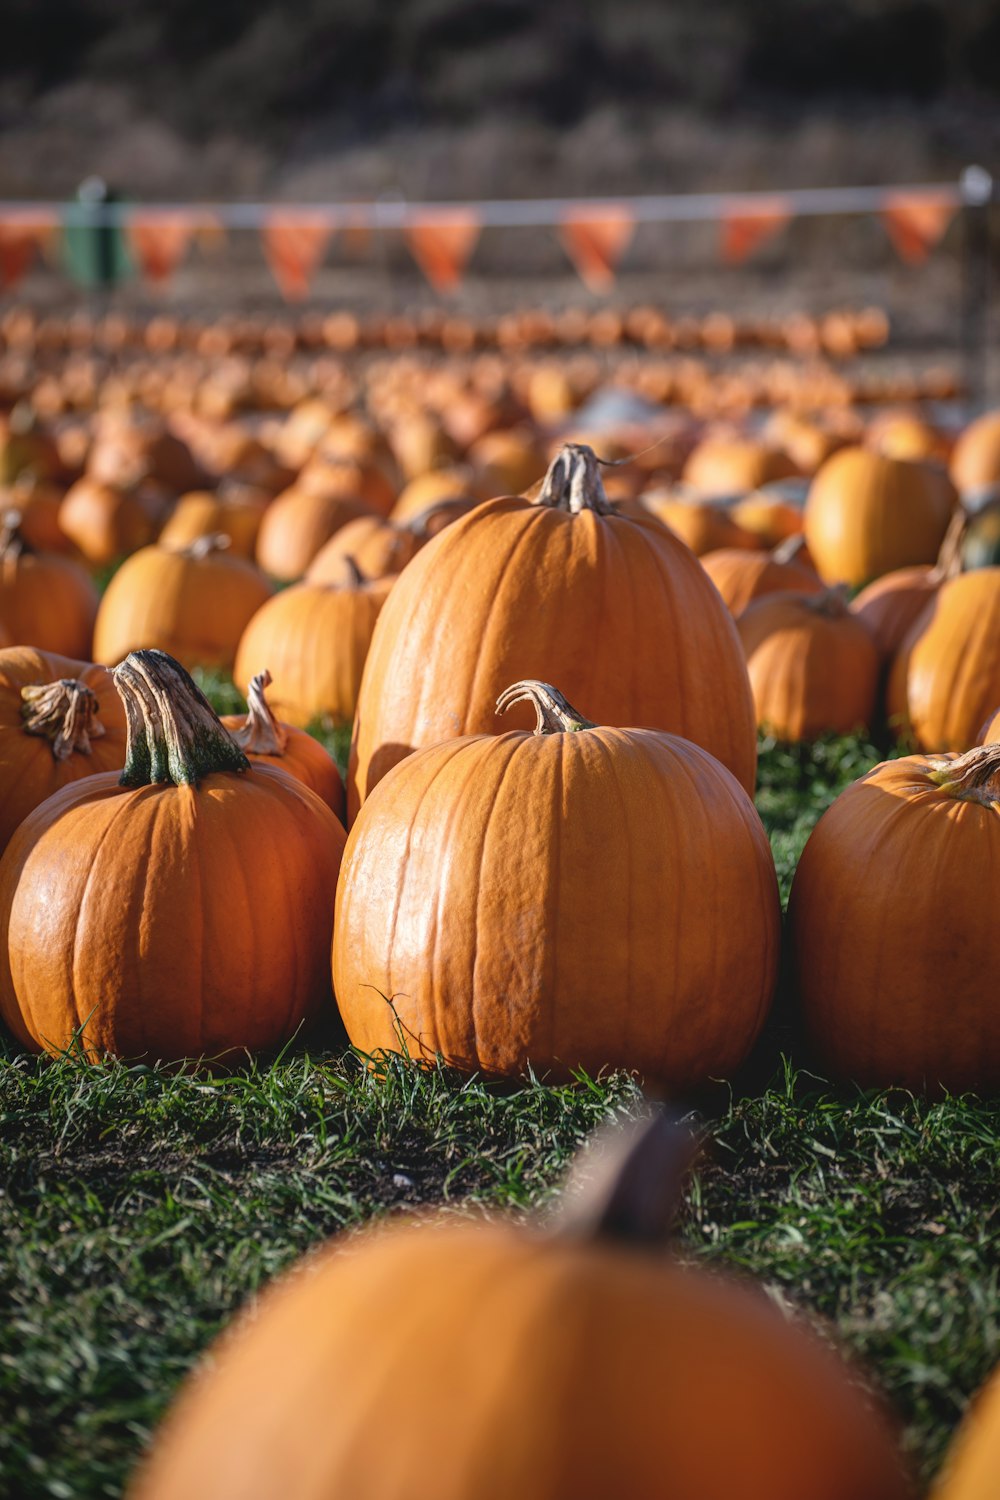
{"x":744,"y":230}
{"x":442,"y":245}
{"x":595,"y":240}
{"x":158,"y":242}
{"x":916,"y":222}
{"x":21,"y":236}
{"x":293,"y":248}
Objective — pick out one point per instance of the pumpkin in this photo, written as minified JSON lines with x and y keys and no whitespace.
{"x":813,"y":666}
{"x":46,"y":600}
{"x":972,"y":1462}
{"x":59,"y":720}
{"x":194,"y":604}
{"x":39,"y":502}
{"x":897,"y":983}
{"x":571,"y":1362}
{"x":315,"y":637}
{"x":867,"y":514}
{"x":945,"y":677}
{"x":906,"y":434}
{"x":990,"y":732}
{"x":263,"y":738}
{"x":182,"y":908}
{"x":235,"y":513}
{"x":128,"y":450}
{"x":25,"y":448}
{"x":615,"y":606}
{"x":505,"y":463}
{"x":429,"y":489}
{"x":702,"y":526}
{"x":768,"y":515}
{"x":742,"y":576}
{"x":892,"y":604}
{"x":104,"y":523}
{"x":975,"y":459}
{"x":476,"y":837}
{"x":380,"y":547}
{"x":296,"y":525}
{"x":723,"y":466}
{"x":334,"y":476}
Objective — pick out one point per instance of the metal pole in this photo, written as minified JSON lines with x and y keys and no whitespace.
{"x":977,"y":189}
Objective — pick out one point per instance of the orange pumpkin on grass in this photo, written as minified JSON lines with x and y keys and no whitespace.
{"x":945,"y":678}
{"x":615,"y":607}
{"x":567,"y":1362}
{"x":168,"y":841}
{"x":972,"y":1462}
{"x":477,"y":838}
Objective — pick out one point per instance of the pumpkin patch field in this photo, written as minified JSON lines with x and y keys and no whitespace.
{"x":499,"y":857}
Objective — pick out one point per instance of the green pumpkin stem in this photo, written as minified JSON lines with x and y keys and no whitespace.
{"x":174,"y":735}
{"x":260,"y":734}
{"x":553,"y":715}
{"x":64,"y":713}
{"x":573,"y":482}
{"x":629,"y":1190}
{"x":972,"y":777}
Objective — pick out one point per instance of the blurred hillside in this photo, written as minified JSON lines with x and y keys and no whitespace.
{"x":456,"y":97}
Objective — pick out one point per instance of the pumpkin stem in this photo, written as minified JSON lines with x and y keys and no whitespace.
{"x":631,"y":1190}
{"x":12,"y":541}
{"x":553,"y":715}
{"x":357,"y":578}
{"x":204,"y":546}
{"x":832,"y":602}
{"x":972,"y":777}
{"x":63,"y":712}
{"x":949,"y":558}
{"x":788,"y":550}
{"x":174,"y":735}
{"x":261,"y":733}
{"x":573,"y":482}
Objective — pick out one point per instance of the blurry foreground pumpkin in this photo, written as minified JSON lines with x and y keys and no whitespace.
{"x":945,"y":678}
{"x":573,"y":1361}
{"x":46,"y":600}
{"x":972,"y":1464}
{"x":720,"y":466}
{"x":898,"y":982}
{"x":665,"y":962}
{"x":138,"y":914}
{"x":867,"y":514}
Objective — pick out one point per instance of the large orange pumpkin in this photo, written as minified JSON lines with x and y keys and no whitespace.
{"x":264,"y":738}
{"x":460,"y":1358}
{"x":315,"y":638}
{"x":867,"y":514}
{"x":945,"y":678}
{"x":182,"y":908}
{"x":46,"y":600}
{"x":972,"y":1463}
{"x":813,"y":667}
{"x":614,"y":607}
{"x":194,"y":604}
{"x":897,"y":982}
{"x":466,"y":900}
{"x":59,"y":720}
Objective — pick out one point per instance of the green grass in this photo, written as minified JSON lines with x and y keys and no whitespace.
{"x":140,"y":1208}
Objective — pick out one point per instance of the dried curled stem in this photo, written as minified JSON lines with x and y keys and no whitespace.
{"x":553,"y":715}
{"x":573,"y":482}
{"x":174,"y":735}
{"x":629,"y":1190}
{"x":64,"y":713}
{"x":972,"y":777}
{"x":261,"y":733}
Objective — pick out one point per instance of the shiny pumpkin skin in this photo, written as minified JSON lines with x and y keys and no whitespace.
{"x":196,"y":608}
{"x":614,"y":609}
{"x":444,"y":1361}
{"x":604,"y":898}
{"x":149,"y":918}
{"x":29,"y":772}
{"x":741,"y":577}
{"x":867,"y":514}
{"x":890,"y":605}
{"x":49,"y":602}
{"x":897,"y":981}
{"x":306,"y":760}
{"x":314,"y":639}
{"x":945,"y":678}
{"x":811,"y":673}
{"x":972,"y":1463}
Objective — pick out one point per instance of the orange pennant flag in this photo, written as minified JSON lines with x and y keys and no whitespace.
{"x":744,"y":230}
{"x":293,"y":248}
{"x":595,"y":240}
{"x":158,"y":241}
{"x":442,"y":245}
{"x":915,"y":223}
{"x":22,"y":235}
